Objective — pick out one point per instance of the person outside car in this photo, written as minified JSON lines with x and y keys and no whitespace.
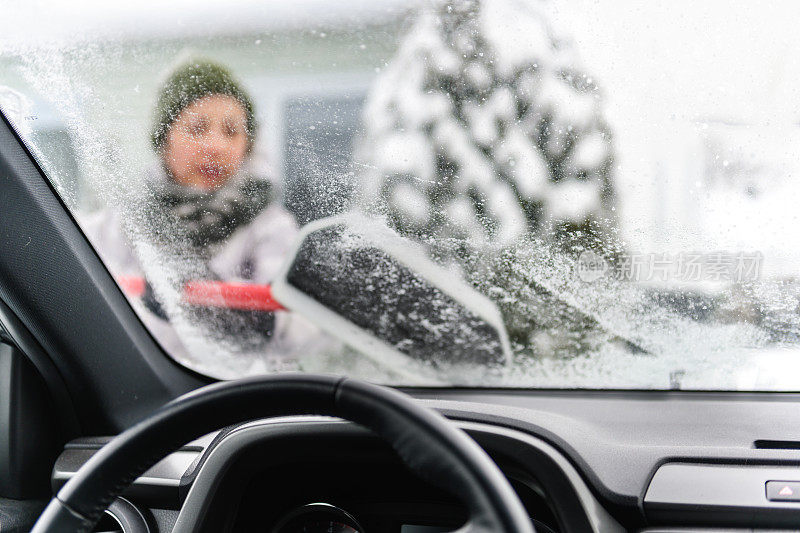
{"x":207,"y":209}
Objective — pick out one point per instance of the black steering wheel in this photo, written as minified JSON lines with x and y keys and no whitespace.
{"x":430,"y":445}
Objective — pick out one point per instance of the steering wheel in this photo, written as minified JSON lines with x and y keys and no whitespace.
{"x":426,"y":441}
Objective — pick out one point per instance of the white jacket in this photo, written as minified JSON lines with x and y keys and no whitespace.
{"x":263,"y":244}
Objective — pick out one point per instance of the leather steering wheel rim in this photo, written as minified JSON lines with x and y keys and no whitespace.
{"x":431,"y":446}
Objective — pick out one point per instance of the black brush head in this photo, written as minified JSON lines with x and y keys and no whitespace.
{"x":383,"y":296}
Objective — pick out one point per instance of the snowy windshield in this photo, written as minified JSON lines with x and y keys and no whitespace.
{"x":501,"y":193}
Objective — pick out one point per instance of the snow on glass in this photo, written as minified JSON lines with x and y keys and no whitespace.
{"x":476,"y":131}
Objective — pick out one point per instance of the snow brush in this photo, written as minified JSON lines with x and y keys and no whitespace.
{"x":380,"y":294}
{"x":229,"y":295}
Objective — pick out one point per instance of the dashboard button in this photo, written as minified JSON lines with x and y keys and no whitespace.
{"x":783,"y":491}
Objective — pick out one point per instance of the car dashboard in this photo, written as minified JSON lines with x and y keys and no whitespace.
{"x":578,"y":460}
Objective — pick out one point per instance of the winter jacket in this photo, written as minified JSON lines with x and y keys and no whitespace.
{"x":253,"y":253}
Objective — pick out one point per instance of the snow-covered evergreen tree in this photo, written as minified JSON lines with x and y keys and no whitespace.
{"x":482,"y":132}
{"x":483,"y":129}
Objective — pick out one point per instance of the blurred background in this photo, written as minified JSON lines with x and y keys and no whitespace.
{"x":700,"y":101}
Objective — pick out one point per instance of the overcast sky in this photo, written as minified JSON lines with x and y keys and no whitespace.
{"x":26,"y":21}
{"x":730,"y":57}
{"x":720,"y":50}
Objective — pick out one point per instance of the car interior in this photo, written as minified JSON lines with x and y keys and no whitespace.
{"x":102,"y":431}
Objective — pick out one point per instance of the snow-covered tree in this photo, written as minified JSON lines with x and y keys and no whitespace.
{"x":484,"y":132}
{"x":484,"y":129}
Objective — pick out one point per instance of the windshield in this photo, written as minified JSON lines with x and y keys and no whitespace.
{"x":502,"y":193}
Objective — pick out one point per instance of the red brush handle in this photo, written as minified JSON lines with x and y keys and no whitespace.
{"x":243,"y":296}
{"x":133,"y":286}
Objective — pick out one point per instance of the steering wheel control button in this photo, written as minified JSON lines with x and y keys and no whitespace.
{"x":783,"y":491}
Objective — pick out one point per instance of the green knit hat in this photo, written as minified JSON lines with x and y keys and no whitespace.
{"x":189,"y":83}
